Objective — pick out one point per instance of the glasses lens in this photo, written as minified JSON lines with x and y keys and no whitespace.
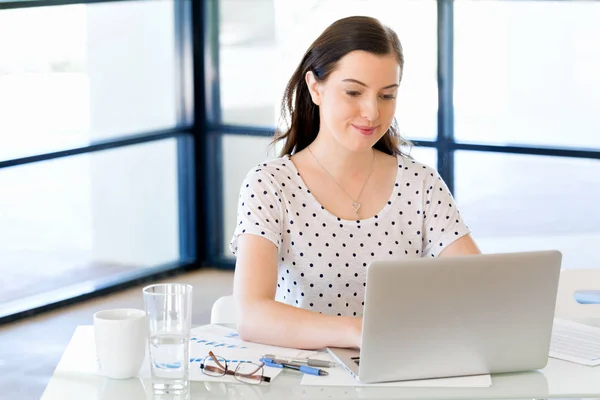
{"x":214,"y":367}
{"x":248,"y":372}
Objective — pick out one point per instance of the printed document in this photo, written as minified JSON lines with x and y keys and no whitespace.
{"x":226,"y":343}
{"x":575,"y":342}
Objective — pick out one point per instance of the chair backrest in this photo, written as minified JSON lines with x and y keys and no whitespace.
{"x":571,"y":281}
{"x":223,"y":311}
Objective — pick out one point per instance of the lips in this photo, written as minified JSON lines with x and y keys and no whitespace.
{"x":365,"y":130}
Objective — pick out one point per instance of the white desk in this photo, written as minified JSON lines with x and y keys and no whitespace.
{"x":76,"y":377}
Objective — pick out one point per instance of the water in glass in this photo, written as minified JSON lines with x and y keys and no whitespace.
{"x":170,"y":362}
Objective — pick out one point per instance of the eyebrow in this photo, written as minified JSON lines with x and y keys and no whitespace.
{"x":365,"y":85}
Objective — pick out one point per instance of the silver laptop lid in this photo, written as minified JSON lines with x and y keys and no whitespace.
{"x":453,"y":316}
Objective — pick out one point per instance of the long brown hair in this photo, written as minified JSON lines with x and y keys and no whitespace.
{"x":340,"y":38}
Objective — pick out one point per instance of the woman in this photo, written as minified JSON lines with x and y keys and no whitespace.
{"x":340,"y":196}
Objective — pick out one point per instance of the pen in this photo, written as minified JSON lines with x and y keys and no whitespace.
{"x":269,"y":362}
{"x":305,"y":361}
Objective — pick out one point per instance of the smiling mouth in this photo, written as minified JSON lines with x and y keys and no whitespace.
{"x":365,"y":130}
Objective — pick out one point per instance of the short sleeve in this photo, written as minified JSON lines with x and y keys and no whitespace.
{"x":442,"y":222}
{"x":259,"y":209}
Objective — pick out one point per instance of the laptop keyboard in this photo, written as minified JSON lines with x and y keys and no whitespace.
{"x":356,"y":360}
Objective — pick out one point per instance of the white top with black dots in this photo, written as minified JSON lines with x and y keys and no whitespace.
{"x":322,"y":258}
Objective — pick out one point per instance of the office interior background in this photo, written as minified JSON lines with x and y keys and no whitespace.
{"x":127,"y":127}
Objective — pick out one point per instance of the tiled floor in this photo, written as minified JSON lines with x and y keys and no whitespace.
{"x":30,"y":349}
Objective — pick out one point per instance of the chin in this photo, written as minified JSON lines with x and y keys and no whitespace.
{"x":355,"y":142}
{"x":360,"y":145}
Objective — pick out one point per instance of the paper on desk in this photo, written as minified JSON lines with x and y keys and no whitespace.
{"x":225,"y":342}
{"x":575,"y":342}
{"x":338,"y":376}
{"x":216,"y":338}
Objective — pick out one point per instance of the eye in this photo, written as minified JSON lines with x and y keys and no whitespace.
{"x":352,"y":93}
{"x":388,"y":96}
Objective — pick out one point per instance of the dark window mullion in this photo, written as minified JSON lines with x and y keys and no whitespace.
{"x":214,"y":187}
{"x":185,"y":151}
{"x":445,"y":77}
{"x":209,"y":157}
{"x":11,"y":5}
{"x":529,"y":150}
{"x":258,"y":131}
{"x":100,"y":145}
{"x":202,"y":85}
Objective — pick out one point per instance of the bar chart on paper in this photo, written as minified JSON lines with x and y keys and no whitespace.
{"x":226,"y":343}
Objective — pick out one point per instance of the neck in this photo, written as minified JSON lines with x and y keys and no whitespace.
{"x":341,"y":163}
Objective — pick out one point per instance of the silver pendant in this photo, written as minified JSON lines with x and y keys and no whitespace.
{"x":356,"y":206}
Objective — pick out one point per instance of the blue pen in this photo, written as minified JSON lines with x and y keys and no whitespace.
{"x":269,"y":362}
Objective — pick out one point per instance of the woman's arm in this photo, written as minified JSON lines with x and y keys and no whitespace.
{"x":261,"y":319}
{"x":463,"y":246}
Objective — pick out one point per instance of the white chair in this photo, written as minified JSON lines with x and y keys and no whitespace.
{"x":571,"y":281}
{"x":223,"y":311}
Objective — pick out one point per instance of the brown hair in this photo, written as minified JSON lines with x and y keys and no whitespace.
{"x":340,"y":38}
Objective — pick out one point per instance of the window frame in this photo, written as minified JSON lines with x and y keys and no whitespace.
{"x":445,"y":142}
{"x":188,"y":46}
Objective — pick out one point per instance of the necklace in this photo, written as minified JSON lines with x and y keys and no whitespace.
{"x":355,"y":203}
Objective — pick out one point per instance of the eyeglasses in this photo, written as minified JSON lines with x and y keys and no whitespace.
{"x":246,"y":371}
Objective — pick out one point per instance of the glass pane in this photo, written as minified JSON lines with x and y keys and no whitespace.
{"x":425,"y":155}
{"x":74,"y":74}
{"x":87,"y":217}
{"x":526,"y":72}
{"x":269,"y":37}
{"x":521,"y":202}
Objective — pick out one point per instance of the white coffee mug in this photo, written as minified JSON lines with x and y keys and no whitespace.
{"x":121,"y":337}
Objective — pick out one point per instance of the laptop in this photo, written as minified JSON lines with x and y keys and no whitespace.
{"x":455,"y":316}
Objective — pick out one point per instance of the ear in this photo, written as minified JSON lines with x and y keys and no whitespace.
{"x":313,"y":87}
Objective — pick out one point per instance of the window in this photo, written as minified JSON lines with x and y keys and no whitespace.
{"x":68,"y":77}
{"x":270,"y":45}
{"x":519,"y":202}
{"x":268,"y":38}
{"x":94,"y":151}
{"x":518,"y":93}
{"x":87,"y":218}
{"x":526,"y":73}
{"x":523,"y":77}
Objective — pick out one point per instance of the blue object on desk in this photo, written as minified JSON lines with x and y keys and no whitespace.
{"x":587,"y":296}
{"x":269,"y":362}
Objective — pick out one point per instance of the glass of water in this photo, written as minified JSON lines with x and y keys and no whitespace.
{"x":169,"y":315}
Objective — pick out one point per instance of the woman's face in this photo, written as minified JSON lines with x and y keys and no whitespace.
{"x":357,"y":102}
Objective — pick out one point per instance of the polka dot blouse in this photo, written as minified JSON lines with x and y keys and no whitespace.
{"x":323,"y":259}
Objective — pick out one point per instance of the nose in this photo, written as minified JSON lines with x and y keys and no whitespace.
{"x":370,"y":110}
